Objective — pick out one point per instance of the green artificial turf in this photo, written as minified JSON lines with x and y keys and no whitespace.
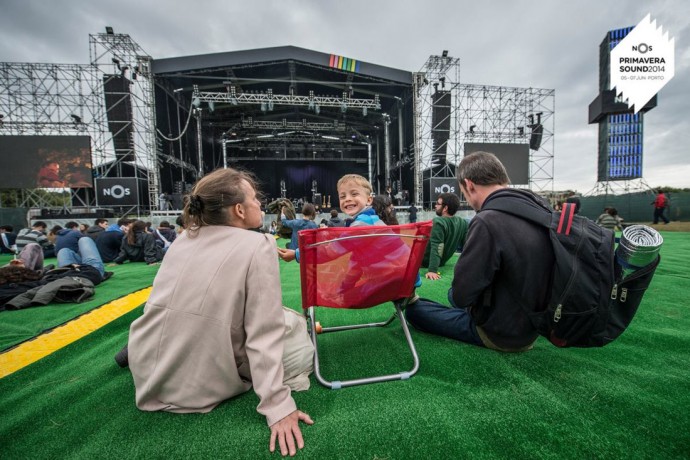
{"x":17,"y":326}
{"x":630,"y":399}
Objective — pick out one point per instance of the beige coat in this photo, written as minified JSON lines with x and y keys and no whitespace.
{"x":213,"y":326}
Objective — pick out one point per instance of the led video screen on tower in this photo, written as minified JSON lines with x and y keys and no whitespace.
{"x":45,"y":162}
{"x":515,"y":158}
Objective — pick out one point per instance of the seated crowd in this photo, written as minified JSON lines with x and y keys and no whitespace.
{"x":218,"y":290}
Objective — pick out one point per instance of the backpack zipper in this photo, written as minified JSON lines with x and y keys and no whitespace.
{"x":614,"y":292}
{"x":557,"y":313}
{"x":624,"y":294}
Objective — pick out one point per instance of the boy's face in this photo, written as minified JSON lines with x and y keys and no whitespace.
{"x":353,"y":198}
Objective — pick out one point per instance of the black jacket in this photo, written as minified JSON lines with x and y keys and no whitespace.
{"x":144,"y":249}
{"x":108,"y":244}
{"x":505,"y":271}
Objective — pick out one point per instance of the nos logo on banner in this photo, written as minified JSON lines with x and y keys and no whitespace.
{"x":440,"y":185}
{"x":117,"y":191}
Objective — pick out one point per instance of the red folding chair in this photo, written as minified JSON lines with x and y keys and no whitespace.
{"x":360,"y":267}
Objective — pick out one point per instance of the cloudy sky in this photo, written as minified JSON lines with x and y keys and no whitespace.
{"x":522,"y":43}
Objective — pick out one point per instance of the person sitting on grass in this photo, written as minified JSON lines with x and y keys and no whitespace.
{"x":305,"y":223}
{"x":139,"y":246}
{"x":383,"y":205}
{"x":355,"y":201}
{"x":610,"y":219}
{"x":213,"y":326}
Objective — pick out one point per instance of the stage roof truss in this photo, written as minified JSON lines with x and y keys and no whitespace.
{"x":234,"y":98}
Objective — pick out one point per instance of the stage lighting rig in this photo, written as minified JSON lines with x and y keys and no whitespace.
{"x":109,"y":30}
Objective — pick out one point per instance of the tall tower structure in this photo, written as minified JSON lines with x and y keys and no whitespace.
{"x":620,"y":130}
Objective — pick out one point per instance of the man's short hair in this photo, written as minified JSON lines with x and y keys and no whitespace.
{"x":99,"y":221}
{"x":452,"y":201}
{"x":309,"y":210}
{"x":39,"y":224}
{"x":7,"y":228}
{"x":164,"y":223}
{"x":482,"y":168}
{"x":71,"y":224}
{"x":334,"y":213}
{"x":124,"y":221}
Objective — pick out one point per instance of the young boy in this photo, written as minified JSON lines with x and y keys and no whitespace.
{"x":354,"y":192}
{"x":355,"y":195}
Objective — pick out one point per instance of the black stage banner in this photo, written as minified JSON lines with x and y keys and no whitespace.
{"x":117,"y":191}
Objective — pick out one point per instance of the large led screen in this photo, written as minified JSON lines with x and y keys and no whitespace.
{"x":45,"y":162}
{"x":515,"y":158}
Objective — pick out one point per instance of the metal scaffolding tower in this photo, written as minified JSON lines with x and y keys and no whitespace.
{"x":447,"y":114}
{"x":507,"y":115}
{"x":117,"y":54}
{"x":439,"y":73}
{"x":69,"y":99}
{"x":47,"y":99}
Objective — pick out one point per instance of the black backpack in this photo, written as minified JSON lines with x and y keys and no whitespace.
{"x":590,"y":304}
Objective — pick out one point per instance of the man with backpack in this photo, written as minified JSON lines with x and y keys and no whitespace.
{"x":505,"y":270}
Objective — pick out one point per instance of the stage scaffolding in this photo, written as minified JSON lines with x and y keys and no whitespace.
{"x":478,"y":113}
{"x":439,"y":73}
{"x":68,"y":99}
{"x":113,"y":54}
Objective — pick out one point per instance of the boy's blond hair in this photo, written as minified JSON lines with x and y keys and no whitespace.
{"x":357,"y":179}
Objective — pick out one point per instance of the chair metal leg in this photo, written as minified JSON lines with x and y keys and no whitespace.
{"x":335,"y":385}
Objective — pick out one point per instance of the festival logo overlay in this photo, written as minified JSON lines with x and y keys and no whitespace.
{"x":642,"y":63}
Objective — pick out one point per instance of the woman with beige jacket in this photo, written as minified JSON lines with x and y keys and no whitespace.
{"x":213,"y":326}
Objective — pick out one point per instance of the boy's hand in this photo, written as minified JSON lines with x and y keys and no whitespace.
{"x":288,"y":255}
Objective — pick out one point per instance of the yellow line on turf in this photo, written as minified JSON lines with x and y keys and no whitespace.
{"x":45,"y":344}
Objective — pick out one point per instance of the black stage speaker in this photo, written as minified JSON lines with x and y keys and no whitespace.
{"x":317,"y":199}
{"x":440,"y":124}
{"x":535,"y":138}
{"x":118,"y":106}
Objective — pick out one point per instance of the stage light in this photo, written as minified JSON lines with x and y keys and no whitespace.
{"x":211,"y":106}
{"x":443,"y":82}
{"x":445,"y":53}
{"x":317,"y":109}
{"x":109,"y":30}
{"x":472,"y":129}
{"x":270,"y":105}
{"x":521,"y":130}
{"x":263,"y":107}
{"x":116,"y":61}
{"x":178,"y":90}
{"x":364,"y":111}
{"x":196,"y":102}
{"x":76,"y":118}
